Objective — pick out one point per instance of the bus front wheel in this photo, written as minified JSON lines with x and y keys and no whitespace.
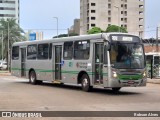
{"x":85,"y":83}
{"x":32,"y":78}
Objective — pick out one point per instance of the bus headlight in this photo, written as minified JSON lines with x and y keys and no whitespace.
{"x":115,"y":74}
{"x":145,"y":74}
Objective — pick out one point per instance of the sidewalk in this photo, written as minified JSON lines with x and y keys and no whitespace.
{"x":154,"y":81}
{"x":4,"y":73}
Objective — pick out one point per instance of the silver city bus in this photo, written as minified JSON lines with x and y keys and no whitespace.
{"x":108,"y":60}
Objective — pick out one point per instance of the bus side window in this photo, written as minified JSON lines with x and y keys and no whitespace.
{"x":50,"y":51}
{"x":15,"y":53}
{"x":105,"y":55}
{"x":32,"y":52}
{"x":43,"y":51}
{"x":68,"y":51}
{"x":82,"y":50}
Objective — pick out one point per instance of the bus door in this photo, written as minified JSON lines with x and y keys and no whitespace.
{"x":98,"y":69}
{"x":23,"y":62}
{"x":58,"y":59}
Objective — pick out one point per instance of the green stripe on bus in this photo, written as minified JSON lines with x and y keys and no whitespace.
{"x":63,"y":71}
{"x":130,"y":77}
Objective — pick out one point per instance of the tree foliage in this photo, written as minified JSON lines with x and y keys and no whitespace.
{"x":115,"y":28}
{"x":15,"y":34}
{"x":66,"y":35}
{"x":95,"y":30}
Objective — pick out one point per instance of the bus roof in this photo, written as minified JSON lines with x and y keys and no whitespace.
{"x":72,"y":38}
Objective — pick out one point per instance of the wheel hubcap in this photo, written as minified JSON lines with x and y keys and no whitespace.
{"x":32,"y":78}
{"x":85,"y":82}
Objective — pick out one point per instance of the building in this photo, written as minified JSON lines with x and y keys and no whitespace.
{"x":32,"y":35}
{"x":158,"y":29}
{"x":9,"y":9}
{"x":102,"y":13}
{"x":75,"y":28}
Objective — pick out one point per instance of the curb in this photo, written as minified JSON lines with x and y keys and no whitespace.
{"x":5,"y":73}
{"x":154,"y":81}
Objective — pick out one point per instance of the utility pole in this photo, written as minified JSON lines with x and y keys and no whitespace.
{"x":57,"y":25}
{"x":118,"y":18}
{"x":157,"y":41}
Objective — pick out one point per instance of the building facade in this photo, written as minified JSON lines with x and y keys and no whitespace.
{"x":75,"y":28}
{"x":102,"y":13}
{"x":9,"y":9}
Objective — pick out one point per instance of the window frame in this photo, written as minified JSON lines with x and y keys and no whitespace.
{"x":72,"y":53}
{"x":32,"y":52}
{"x":13,"y":53}
{"x":45,"y":55}
{"x":77,"y":49}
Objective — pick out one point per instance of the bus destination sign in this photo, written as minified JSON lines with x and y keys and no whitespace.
{"x":122,"y":38}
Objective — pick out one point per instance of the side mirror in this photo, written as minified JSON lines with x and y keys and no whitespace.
{"x":107,"y":46}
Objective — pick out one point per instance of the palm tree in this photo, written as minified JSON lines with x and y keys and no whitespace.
{"x":11,"y":32}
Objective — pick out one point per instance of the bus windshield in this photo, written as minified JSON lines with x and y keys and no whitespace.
{"x":127,"y":56}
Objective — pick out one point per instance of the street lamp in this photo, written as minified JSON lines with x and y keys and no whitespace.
{"x":57,"y":25}
{"x":118,"y":16}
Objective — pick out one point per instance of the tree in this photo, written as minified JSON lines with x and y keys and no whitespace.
{"x":95,"y":30}
{"x":115,"y":28}
{"x":15,"y":34}
{"x":66,"y":35}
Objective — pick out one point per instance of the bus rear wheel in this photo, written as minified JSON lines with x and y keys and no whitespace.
{"x":32,"y":78}
{"x":85,"y":81}
{"x":116,"y":89}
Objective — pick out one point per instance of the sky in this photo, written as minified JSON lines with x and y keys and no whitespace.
{"x":38,"y":15}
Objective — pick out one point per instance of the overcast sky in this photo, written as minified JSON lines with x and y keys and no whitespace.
{"x":38,"y":14}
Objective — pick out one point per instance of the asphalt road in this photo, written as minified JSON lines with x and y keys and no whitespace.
{"x":16,"y":94}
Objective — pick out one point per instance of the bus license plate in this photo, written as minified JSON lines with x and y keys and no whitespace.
{"x":131,"y":82}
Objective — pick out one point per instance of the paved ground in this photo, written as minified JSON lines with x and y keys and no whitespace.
{"x":16,"y":94}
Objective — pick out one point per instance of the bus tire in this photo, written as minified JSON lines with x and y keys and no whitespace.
{"x":32,"y":78}
{"x":85,"y":82}
{"x":116,"y":89}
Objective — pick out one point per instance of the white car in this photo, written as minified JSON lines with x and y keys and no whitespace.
{"x":3,"y":65}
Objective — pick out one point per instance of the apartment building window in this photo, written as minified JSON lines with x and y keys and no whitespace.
{"x":93,"y":11}
{"x":87,"y":19}
{"x":109,"y":0}
{"x":121,"y":19}
{"x":125,"y":13}
{"x":93,"y":25}
{"x":141,"y":13}
{"x":140,"y":19}
{"x":87,"y":12}
{"x":109,"y":5}
{"x":109,"y":12}
{"x":87,"y":26}
{"x":88,"y":6}
{"x":125,"y":6}
{"x":141,"y":6}
{"x":109,"y":19}
{"x":125,"y":26}
{"x":93,"y":4}
{"x":125,"y":20}
{"x":140,"y":26}
{"x":93,"y":18}
{"x":121,"y":12}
